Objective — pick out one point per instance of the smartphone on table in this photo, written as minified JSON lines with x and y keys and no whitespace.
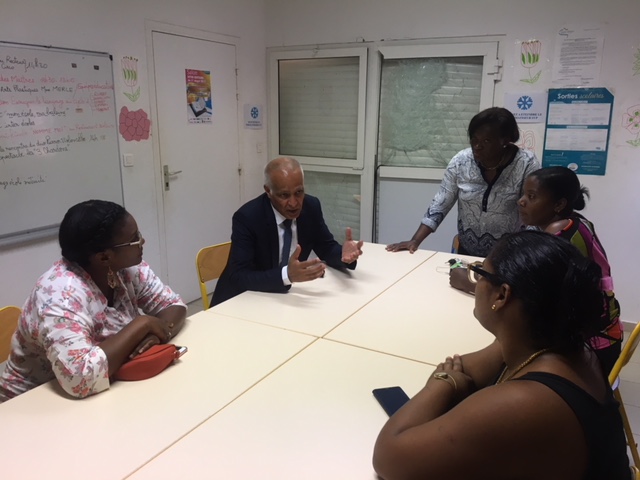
{"x":391,"y":398}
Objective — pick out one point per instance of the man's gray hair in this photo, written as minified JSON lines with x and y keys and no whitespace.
{"x":282,"y":163}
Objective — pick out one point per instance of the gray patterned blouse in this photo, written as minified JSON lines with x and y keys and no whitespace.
{"x":486,"y":211}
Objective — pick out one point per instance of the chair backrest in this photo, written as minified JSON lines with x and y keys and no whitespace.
{"x":455,"y":244}
{"x":8,"y":324}
{"x":210,"y":263}
{"x":626,"y":354}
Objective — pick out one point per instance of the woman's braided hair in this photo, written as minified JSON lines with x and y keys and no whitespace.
{"x":88,"y":228}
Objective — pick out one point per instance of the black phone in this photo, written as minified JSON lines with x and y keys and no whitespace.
{"x":391,"y":398}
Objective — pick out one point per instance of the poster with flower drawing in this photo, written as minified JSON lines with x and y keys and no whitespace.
{"x":631,"y":121}
{"x":529,"y":58}
{"x":130,"y":77}
{"x":636,"y":63}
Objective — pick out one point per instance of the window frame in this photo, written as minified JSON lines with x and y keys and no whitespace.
{"x":488,"y":50}
{"x":274,"y":57}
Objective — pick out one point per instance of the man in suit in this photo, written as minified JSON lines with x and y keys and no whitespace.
{"x":273,"y":235}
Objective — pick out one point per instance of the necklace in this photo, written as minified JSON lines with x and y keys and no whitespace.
{"x":521,"y":366}
{"x":505,"y":155}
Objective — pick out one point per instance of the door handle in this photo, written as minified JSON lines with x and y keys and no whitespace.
{"x":167,"y":176}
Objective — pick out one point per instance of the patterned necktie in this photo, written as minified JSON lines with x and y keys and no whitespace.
{"x":286,"y":244}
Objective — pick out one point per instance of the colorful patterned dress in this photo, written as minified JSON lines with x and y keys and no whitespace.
{"x":581,"y":233}
{"x":65,"y":319}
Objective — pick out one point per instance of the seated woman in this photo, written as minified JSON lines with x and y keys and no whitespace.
{"x":550,"y":199}
{"x":535,"y":403}
{"x":83,"y":318}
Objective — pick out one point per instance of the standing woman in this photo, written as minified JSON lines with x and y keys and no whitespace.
{"x":550,"y":199}
{"x":83,"y":319}
{"x":486,"y":180}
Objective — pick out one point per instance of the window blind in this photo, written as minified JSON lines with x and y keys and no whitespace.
{"x":318,"y":107}
{"x":425,"y":108}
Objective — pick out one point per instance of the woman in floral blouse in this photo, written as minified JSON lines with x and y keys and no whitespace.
{"x":94,"y":309}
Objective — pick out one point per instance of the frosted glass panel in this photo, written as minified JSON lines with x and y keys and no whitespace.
{"x":318,"y":108}
{"x":425,"y":108}
{"x":340,"y":198}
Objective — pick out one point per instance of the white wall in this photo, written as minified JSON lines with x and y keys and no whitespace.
{"x":117,"y":27}
{"x":615,"y":204}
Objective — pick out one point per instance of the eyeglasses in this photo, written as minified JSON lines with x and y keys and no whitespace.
{"x":137,"y":242}
{"x":475,"y":271}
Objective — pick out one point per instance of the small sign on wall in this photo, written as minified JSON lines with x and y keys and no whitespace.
{"x":527,"y":107}
{"x":252,"y":116}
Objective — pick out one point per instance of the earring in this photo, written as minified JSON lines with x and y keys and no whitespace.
{"x":111,"y":279}
{"x":493,"y":307}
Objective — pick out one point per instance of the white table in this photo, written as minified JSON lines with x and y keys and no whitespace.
{"x":318,"y":306}
{"x":261,"y":393}
{"x":420,"y":317}
{"x":46,"y":434}
{"x":313,"y":418}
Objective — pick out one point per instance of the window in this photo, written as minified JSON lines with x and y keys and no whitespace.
{"x":428,"y":95}
{"x":319,"y":107}
{"x":425,"y":107}
{"x":340,"y":198}
{"x":319,"y":118}
{"x":414,"y":103}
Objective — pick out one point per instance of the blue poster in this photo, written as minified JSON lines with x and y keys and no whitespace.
{"x":578,"y":129}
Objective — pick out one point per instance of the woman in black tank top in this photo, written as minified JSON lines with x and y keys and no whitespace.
{"x":534,"y":404}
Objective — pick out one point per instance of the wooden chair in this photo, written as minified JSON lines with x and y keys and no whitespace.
{"x":614,"y":380}
{"x":455,"y":244}
{"x":210,"y":263}
{"x":8,"y":324}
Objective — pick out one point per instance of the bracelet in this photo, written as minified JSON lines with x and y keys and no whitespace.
{"x":446,"y":377}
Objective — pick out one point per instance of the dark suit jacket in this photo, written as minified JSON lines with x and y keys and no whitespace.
{"x":253,"y":261}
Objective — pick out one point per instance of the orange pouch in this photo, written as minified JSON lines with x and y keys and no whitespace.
{"x":148,"y":364}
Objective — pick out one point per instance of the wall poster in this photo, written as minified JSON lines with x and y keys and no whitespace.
{"x":199,"y":104}
{"x":578,"y":129}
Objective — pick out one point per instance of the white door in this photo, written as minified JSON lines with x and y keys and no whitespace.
{"x":201,"y":198}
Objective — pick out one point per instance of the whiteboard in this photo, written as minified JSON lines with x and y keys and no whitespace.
{"x":58,"y":137}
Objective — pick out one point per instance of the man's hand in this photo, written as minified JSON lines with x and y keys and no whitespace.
{"x":306,"y":271}
{"x":351,"y":249}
